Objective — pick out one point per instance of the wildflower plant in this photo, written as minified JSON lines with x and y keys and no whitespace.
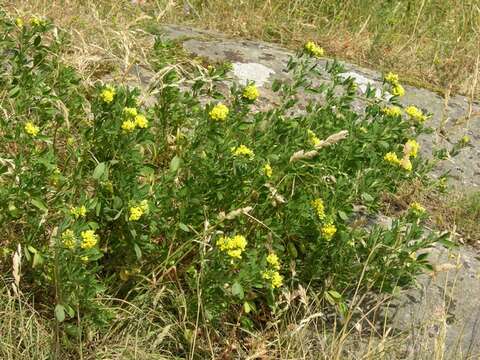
{"x":232,"y":199}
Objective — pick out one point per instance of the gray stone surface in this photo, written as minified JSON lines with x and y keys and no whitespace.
{"x":445,"y":308}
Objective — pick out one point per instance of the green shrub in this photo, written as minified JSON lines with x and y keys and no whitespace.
{"x":229,"y":203}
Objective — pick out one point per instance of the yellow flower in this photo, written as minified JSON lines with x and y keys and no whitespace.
{"x":272,"y":259}
{"x":411,"y":148}
{"x":406,"y":164}
{"x":34,"y":21}
{"x":128,"y":126}
{"x":276,"y":280}
{"x":130,"y":111}
{"x":31,"y":129}
{"x":84,"y":258}
{"x":250,"y":93}
{"x":398,"y":90}
{"x":219,"y":112}
{"x":465,"y":139}
{"x":267,"y":170}
{"x":242,"y":150}
{"x":80,"y":211}
{"x":391,"y":158}
{"x":233,"y":246}
{"x":141,"y":121}
{"x":312,"y":137}
{"x":328,"y":231}
{"x":90,"y":239}
{"x":391,"y":78}
{"x":68,"y":239}
{"x":19,"y":22}
{"x":415,"y":113}
{"x":314,"y":49}
{"x":136,"y":213}
{"x":417,"y":208}
{"x":319,"y":208}
{"x":363,"y":129}
{"x":392,"y":111}
{"x":108,"y":94}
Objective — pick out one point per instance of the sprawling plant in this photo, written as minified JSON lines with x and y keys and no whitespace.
{"x":230,"y":203}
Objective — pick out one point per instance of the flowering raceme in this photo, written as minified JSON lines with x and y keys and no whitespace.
{"x":312,"y":137}
{"x":31,"y":129}
{"x":107,"y":94}
{"x":80,"y":211}
{"x":68,"y":239}
{"x":250,"y":93}
{"x":313,"y":49}
{"x":267,"y":170}
{"x":273,"y":261}
{"x":415,"y":114}
{"x":242,"y":150}
{"x":233,"y":246}
{"x":89,"y":239}
{"x":328,"y":231}
{"x":219,"y":112}
{"x":136,"y":212}
{"x":392,"y":111}
{"x":319,"y":207}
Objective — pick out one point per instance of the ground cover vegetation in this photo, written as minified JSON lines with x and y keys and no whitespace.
{"x":198,"y":202}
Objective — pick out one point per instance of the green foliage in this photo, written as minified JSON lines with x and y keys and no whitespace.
{"x":101,"y":190}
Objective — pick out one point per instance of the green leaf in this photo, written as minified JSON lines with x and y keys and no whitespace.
{"x":237,"y":290}
{"x":138,"y":251}
{"x":37,"y":259}
{"x":246,"y":307}
{"x":367,"y":197}
{"x":99,"y":170}
{"x":183,"y":227}
{"x":39,"y":204}
{"x":342,"y":215}
{"x":59,"y":313}
{"x":175,"y":163}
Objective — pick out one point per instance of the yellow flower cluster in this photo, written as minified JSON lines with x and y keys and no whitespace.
{"x":415,"y":114}
{"x":392,"y":111}
{"x":276,"y":280}
{"x":219,"y":112}
{"x":250,"y":93}
{"x":233,"y":246}
{"x":69,"y":239}
{"x":393,"y":159}
{"x":80,"y":211}
{"x":130,"y":111}
{"x":411,"y":148}
{"x":89,"y":239}
{"x":31,"y":129}
{"x":273,"y":261}
{"x":19,"y":22}
{"x":133,"y":120}
{"x":319,"y":207}
{"x":313,"y":49}
{"x":417,"y":208}
{"x":267,"y":170}
{"x":312,"y":137}
{"x":108,"y":94}
{"x":397,"y":88}
{"x":136,"y":212}
{"x":328,"y":231}
{"x":242,"y":150}
{"x":34,"y":21}
{"x":465,"y":139}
